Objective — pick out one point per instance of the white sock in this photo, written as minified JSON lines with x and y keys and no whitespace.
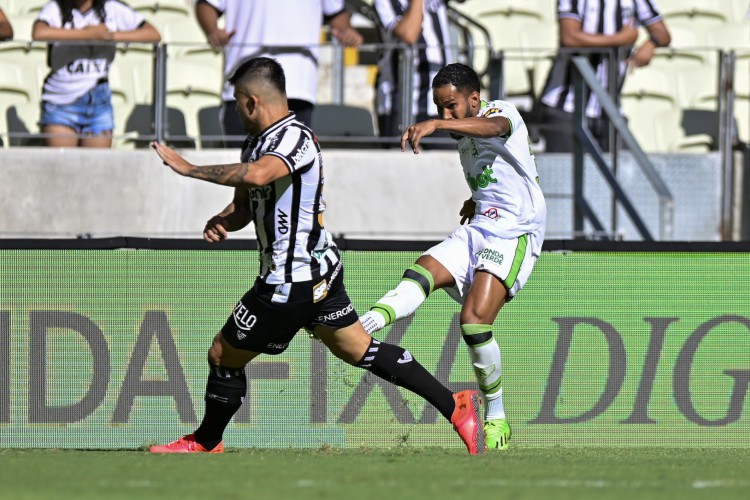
{"x":372,"y":321}
{"x":400,"y":302}
{"x":485,"y":358}
{"x":493,"y":408}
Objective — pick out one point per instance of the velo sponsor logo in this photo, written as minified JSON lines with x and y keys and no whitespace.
{"x":336,"y":315}
{"x":490,"y":255}
{"x":243,"y":318}
{"x":481,"y":180}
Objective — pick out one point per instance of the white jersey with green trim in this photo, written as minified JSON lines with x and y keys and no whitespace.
{"x":502,"y":175}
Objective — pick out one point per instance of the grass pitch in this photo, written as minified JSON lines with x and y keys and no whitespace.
{"x":396,"y":473}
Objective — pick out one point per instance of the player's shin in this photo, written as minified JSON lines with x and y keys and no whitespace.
{"x":225,"y":393}
{"x":396,"y":365}
{"x":485,"y":358}
{"x":402,"y":301}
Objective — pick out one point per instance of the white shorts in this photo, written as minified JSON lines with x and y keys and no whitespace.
{"x":472,"y":248}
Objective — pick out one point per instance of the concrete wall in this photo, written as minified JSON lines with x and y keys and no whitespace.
{"x":67,"y":192}
{"x":370,"y":194}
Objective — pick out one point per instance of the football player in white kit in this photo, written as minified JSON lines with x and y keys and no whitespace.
{"x":484,"y":263}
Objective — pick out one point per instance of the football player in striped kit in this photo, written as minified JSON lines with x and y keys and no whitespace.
{"x":279,"y":185}
{"x":484,"y":263}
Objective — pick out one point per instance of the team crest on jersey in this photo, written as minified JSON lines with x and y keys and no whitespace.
{"x":492,"y":213}
{"x":260,"y":193}
{"x":271,"y":143}
{"x":320,"y":291}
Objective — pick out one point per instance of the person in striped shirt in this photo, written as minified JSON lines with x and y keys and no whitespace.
{"x":424,"y":25}
{"x":278,"y":185}
{"x":595,"y":23}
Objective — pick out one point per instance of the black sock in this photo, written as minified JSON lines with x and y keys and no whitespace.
{"x":225,"y":392}
{"x":396,"y":365}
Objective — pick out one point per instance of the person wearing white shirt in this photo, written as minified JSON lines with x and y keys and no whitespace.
{"x":287,"y":30}
{"x":76,"y":98}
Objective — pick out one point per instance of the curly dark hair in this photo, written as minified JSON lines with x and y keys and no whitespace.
{"x":67,"y":6}
{"x":458,"y":75}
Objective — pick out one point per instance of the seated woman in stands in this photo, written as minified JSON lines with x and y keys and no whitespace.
{"x":76,"y":98}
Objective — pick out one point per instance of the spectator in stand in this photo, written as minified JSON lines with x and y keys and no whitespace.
{"x":76,"y":98}
{"x":6,"y":30}
{"x":287,"y":30}
{"x":595,"y":23}
{"x":423,"y":24}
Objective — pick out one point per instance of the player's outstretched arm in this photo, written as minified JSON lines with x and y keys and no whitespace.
{"x":495,"y":126}
{"x":258,"y":173}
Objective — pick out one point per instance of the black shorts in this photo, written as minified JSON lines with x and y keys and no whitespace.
{"x":269,"y":316}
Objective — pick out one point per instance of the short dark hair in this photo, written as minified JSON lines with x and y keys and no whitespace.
{"x":458,"y":75}
{"x":261,"y":68}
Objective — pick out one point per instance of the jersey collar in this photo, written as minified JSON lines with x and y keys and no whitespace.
{"x":278,"y":124}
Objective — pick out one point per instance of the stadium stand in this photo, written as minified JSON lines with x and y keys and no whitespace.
{"x":21,"y":119}
{"x":13,"y":91}
{"x":14,"y":7}
{"x":342,"y":120}
{"x":165,"y":7}
{"x":190,"y":88}
{"x":681,"y":81}
{"x":696,"y":12}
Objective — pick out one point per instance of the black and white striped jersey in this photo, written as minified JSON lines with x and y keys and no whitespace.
{"x":433,"y":50}
{"x":604,"y":17}
{"x":288,"y":213}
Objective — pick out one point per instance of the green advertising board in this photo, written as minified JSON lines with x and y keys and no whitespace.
{"x":107,"y":349}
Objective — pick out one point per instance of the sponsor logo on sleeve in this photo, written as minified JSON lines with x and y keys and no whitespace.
{"x":300,"y":153}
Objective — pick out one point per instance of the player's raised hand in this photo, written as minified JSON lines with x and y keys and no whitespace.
{"x":348,"y":37}
{"x":98,"y":32}
{"x":172,"y":159}
{"x":467,"y":210}
{"x":414,"y":133}
{"x":220,"y":38}
{"x":216,"y":229}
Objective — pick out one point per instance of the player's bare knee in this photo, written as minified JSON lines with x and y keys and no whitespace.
{"x":345,"y":354}
{"x":470,"y":315}
{"x":215,"y":351}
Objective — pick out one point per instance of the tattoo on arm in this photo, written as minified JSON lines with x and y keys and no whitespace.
{"x":228,"y":175}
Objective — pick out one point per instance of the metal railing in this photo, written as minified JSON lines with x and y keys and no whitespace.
{"x":584,"y":78}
